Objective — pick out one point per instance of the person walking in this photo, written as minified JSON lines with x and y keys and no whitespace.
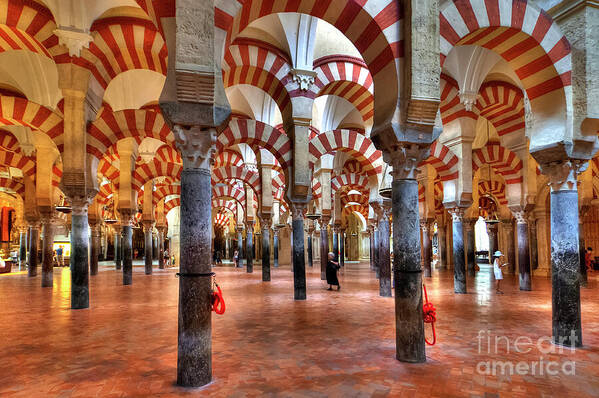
{"x":331,"y":271}
{"x":59,"y":256}
{"x":236,"y":258}
{"x":498,"y":264}
{"x":588,"y":259}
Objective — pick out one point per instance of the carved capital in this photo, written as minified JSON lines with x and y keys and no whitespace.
{"x":521,"y":217}
{"x":148,"y":225}
{"x":468,"y":99}
{"x":469,"y":223}
{"x":304,"y":78}
{"x":562,"y":174}
{"x":405,"y":158}
{"x":457,"y":214}
{"x":382,"y":208}
{"x":325,"y":220}
{"x":196,"y":144}
{"x":298,"y":210}
{"x":74,"y":40}
{"x":127,"y":216}
{"x":265,"y":221}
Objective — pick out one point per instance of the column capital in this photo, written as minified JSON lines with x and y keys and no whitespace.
{"x":298,"y":210}
{"x":457,"y":214}
{"x":73,"y":39}
{"x":382,"y":208}
{"x":127,"y":216}
{"x":197,"y":145}
{"x":303,"y":78}
{"x":469,"y":223}
{"x":148,"y":225}
{"x":265,"y":221}
{"x":325,"y":219}
{"x":405,"y":157}
{"x":520,"y":216}
{"x":562,"y":174}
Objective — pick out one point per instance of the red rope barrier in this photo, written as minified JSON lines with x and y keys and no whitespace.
{"x":429,"y":314}
{"x":218,"y":303}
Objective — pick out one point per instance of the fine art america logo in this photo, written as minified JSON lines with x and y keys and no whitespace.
{"x":543,"y":364}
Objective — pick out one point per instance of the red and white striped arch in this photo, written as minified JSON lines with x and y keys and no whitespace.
{"x":148,"y":171}
{"x":363,"y":210}
{"x":354,"y":198}
{"x":495,"y":188}
{"x":20,"y":111}
{"x":228,"y":158}
{"x":257,"y":135}
{"x":373,"y":26}
{"x":451,"y":106}
{"x":110,"y":127}
{"x":18,"y":161}
{"x":171,"y":204}
{"x":28,"y":25}
{"x":251,"y":178}
{"x":349,"y":181}
{"x":349,"y":141}
{"x":261,"y":68}
{"x":503,"y":105}
{"x":352,"y":166}
{"x":316,"y":189}
{"x":8,"y":141}
{"x":167,"y":153}
{"x":346,"y":78}
{"x":228,"y":191}
{"x":164,"y":190}
{"x":221,"y":220}
{"x":505,"y":162}
{"x":228,"y":204}
{"x":14,"y":185}
{"x":444,"y":161}
{"x":121,"y":44}
{"x":527,"y":38}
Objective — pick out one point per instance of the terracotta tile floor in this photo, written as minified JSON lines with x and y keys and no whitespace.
{"x":337,"y":344}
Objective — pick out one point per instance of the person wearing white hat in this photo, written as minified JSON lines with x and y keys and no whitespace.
{"x":498,"y":264}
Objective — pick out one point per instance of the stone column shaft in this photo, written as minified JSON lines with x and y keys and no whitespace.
{"x":342,"y":248}
{"x":442,"y":244}
{"x":427,"y":249}
{"x":127,"y":248}
{"x":79,"y":257}
{"x":275,"y":244}
{"x":409,"y":325}
{"x":299,"y":264}
{"x":384,"y":256}
{"x":118,"y":241}
{"x":249,"y":247}
{"x":240,"y":246}
{"x":160,"y":249}
{"x":459,"y":261}
{"x":324,"y":249}
{"x":523,"y":255}
{"x":22,"y":247}
{"x":33,"y":241}
{"x":148,"y":249}
{"x":95,"y":252}
{"x":47,"y":253}
{"x":194,"y":359}
{"x":266,"y":254}
{"x":336,"y":243}
{"x":470,"y":250}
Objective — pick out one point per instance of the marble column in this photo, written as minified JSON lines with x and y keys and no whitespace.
{"x":194,"y":362}
{"x":155,"y":245}
{"x":33,"y":242}
{"x":47,"y":252}
{"x":161,"y":248}
{"x":508,"y":228}
{"x":240,"y":246}
{"x":95,"y":251}
{"x":266,"y":249}
{"x":148,"y":247}
{"x":79,"y":256}
{"x":470,"y":244}
{"x":371,"y":234}
{"x":310,"y":261}
{"x":459,"y":261}
{"x":427,"y":247}
{"x":127,"y":248}
{"x":118,"y":241}
{"x":565,"y":262}
{"x":336,"y":242}
{"x":384,"y":249}
{"x":249,"y":246}
{"x":534,"y":253}
{"x":376,"y":251}
{"x":409,"y":326}
{"x":442,"y":245}
{"x":582,"y":249}
{"x":493,"y":246}
{"x":324,"y":246}
{"x":275,"y":244}
{"x":22,"y":246}
{"x":299,"y":265}
{"x":523,"y":252}
{"x":342,"y":247}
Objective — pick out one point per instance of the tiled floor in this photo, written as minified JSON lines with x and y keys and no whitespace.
{"x":337,"y":344}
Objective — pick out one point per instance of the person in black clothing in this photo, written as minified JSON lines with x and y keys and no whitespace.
{"x":332,"y":268}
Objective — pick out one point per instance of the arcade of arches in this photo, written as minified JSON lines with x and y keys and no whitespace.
{"x":250,"y":138}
